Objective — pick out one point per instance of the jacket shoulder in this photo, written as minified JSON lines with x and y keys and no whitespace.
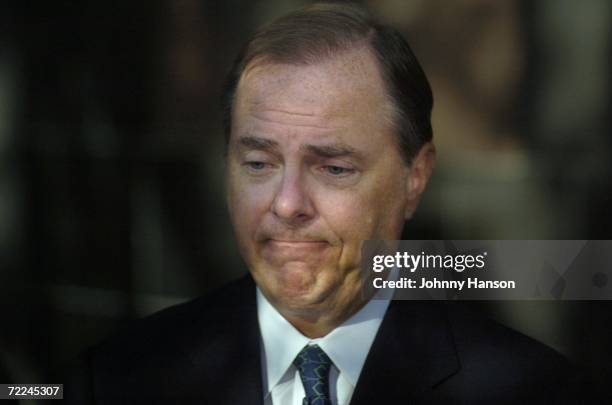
{"x":212,"y":313}
{"x":171,"y":353}
{"x":498,"y":362}
{"x":478,"y":338}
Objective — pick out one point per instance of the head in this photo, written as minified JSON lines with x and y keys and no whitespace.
{"x":329,"y":144}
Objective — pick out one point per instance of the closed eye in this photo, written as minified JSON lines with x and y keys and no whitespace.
{"x":258,"y":167}
{"x":338,"y":170}
{"x":255,"y":165}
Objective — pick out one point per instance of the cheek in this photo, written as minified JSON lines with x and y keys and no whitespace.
{"x":373,"y":211}
{"x":388,"y":215}
{"x":348,"y":214}
{"x":247,"y":203}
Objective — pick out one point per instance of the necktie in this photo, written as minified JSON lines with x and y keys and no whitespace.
{"x":314,"y":365}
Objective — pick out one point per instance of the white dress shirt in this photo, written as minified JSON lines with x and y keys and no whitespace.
{"x":347,"y":346}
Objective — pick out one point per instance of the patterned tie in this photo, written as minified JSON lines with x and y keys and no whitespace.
{"x":314,"y":365}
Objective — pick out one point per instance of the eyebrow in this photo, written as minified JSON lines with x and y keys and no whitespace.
{"x":332,"y":151}
{"x":255,"y":142}
{"x":324,"y":151}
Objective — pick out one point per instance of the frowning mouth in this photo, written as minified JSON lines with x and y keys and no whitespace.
{"x":281,"y":251}
{"x":295,"y":242}
{"x":296,"y":245}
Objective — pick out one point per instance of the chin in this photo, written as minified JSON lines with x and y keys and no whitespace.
{"x":299,"y":287}
{"x":296,"y":280}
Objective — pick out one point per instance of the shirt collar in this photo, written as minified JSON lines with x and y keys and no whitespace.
{"x":347,"y":345}
{"x":281,"y":341}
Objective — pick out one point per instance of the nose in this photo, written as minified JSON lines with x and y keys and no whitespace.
{"x":292,"y":203}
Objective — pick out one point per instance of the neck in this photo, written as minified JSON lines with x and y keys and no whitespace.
{"x":313,"y":329}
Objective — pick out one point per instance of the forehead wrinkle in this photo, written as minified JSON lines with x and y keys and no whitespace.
{"x":337,"y":90}
{"x":291,"y":112}
{"x":293,"y":122}
{"x":277,"y":108}
{"x":285,"y":101}
{"x":347,"y":72}
{"x":256,"y":142}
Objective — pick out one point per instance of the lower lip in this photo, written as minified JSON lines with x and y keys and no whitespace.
{"x":279,"y":244}
{"x":282,"y":252}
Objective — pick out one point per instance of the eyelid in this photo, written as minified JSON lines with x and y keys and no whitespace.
{"x":347,"y":170}
{"x":346,"y":164}
{"x":339,"y":165}
{"x":258,"y":156}
{"x":258,"y":168}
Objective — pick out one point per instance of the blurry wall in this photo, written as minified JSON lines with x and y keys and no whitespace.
{"x":111,"y":155}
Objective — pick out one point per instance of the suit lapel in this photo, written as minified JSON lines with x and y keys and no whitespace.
{"x":412,"y":352}
{"x":228,"y":359}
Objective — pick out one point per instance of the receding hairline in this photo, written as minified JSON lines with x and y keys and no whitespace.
{"x":326,"y":30}
{"x":363,"y":49}
{"x":315,"y":31}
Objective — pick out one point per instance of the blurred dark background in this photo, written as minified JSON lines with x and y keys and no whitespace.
{"x":111,"y":156}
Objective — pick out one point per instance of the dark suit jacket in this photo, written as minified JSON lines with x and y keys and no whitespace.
{"x":207,"y":351}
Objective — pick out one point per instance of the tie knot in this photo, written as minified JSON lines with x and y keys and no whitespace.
{"x":314,"y":365}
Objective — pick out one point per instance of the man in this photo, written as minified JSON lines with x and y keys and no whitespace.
{"x":329,"y":144}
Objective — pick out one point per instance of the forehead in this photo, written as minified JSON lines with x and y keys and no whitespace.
{"x":345,"y":89}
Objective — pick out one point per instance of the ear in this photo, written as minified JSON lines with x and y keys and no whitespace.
{"x":419,"y":173}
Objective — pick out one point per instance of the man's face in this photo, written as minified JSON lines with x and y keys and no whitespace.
{"x":314,"y":169}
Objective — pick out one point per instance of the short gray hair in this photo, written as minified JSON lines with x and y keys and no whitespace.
{"x":321,"y":30}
